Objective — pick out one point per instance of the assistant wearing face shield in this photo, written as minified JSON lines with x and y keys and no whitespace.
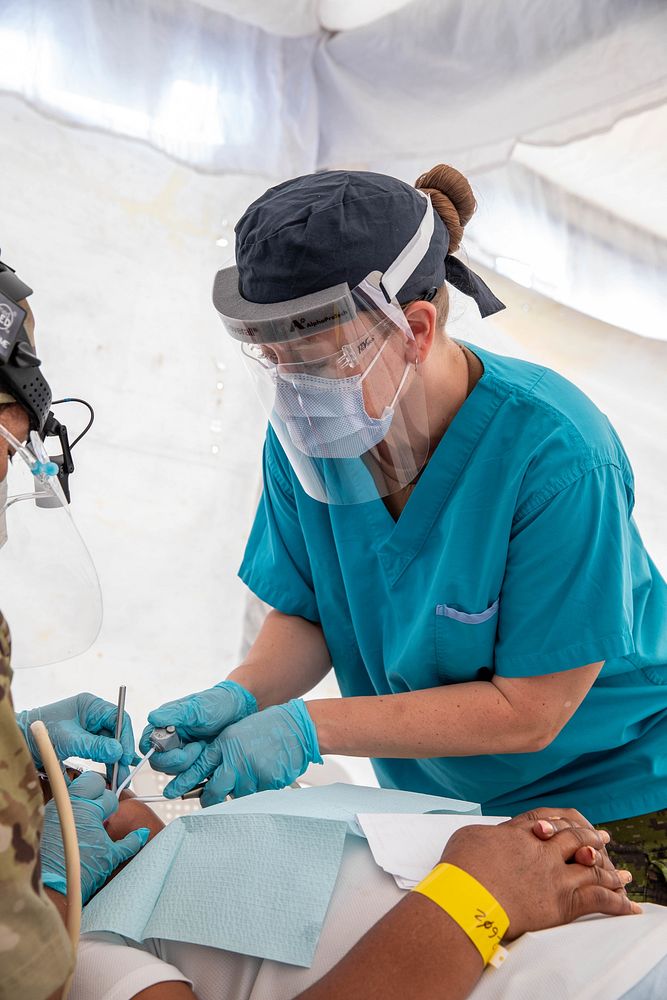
{"x":50,"y":599}
{"x":450,"y":529}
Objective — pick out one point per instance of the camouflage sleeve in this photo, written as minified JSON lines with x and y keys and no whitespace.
{"x":35,"y":953}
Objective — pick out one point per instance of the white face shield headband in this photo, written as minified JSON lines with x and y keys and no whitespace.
{"x":336,"y":373}
{"x":49,"y":590}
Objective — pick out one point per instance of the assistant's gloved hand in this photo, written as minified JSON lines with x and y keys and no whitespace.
{"x":92,"y":803}
{"x":198,"y":718}
{"x":82,"y":726}
{"x":268,"y":750}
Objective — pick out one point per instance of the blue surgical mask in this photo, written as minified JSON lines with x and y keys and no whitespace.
{"x":326,"y":417}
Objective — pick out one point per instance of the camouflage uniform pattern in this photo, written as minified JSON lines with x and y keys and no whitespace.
{"x":35,"y":953}
{"x":640,"y":845}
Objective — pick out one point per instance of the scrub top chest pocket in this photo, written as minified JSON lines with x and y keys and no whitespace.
{"x":465,"y":642}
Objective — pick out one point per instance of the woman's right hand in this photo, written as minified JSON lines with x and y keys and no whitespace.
{"x":538,"y":882}
{"x":198,"y":718}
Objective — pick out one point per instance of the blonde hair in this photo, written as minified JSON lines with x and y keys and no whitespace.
{"x":453,"y":200}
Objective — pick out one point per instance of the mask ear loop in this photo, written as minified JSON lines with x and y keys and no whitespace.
{"x":406,"y":372}
{"x":400,"y":386}
{"x":364,"y":374}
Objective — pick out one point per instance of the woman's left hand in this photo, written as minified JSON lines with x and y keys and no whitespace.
{"x":268,"y":750}
{"x":82,"y":726}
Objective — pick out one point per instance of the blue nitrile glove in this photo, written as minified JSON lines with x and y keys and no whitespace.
{"x":198,"y":718}
{"x":268,"y":750}
{"x":82,"y":726}
{"x":92,"y":804}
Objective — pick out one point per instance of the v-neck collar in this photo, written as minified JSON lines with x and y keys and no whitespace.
{"x":400,"y":541}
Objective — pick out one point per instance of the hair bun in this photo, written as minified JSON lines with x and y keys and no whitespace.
{"x":452,"y":198}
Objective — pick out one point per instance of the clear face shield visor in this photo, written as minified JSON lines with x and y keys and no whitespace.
{"x":337,"y":375}
{"x":49,"y":590}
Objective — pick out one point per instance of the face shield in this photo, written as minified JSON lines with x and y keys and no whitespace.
{"x":49,"y":590}
{"x":337,"y":374}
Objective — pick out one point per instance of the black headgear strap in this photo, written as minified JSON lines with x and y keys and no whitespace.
{"x":20,"y":374}
{"x":460,"y":276}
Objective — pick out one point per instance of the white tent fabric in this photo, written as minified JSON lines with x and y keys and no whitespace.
{"x":515,"y":94}
{"x":545,"y":237}
{"x":209,"y":90}
{"x":458,"y":81}
{"x":304,"y":17}
{"x":455,"y":80}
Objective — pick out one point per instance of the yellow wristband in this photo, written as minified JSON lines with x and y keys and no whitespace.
{"x":468,"y":903}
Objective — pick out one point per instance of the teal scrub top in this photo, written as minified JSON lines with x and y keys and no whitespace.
{"x":516,"y":554}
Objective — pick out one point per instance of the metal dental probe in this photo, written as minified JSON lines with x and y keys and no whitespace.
{"x":119,"y":728}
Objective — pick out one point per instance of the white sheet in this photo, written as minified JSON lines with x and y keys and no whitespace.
{"x":407,"y":846}
{"x":595,"y":959}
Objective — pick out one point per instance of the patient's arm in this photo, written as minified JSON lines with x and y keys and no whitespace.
{"x":418,"y":951}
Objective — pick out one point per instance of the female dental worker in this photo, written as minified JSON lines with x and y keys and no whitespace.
{"x":451,"y":529}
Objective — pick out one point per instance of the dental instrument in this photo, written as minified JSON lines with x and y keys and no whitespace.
{"x":165,"y":738}
{"x":135,"y":772}
{"x":194,"y":793}
{"x":119,"y":727}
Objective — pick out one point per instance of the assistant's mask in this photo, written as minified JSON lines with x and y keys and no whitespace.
{"x":327,"y":418}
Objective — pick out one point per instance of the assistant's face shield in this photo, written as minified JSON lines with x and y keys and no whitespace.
{"x":49,"y":590}
{"x":337,"y":373}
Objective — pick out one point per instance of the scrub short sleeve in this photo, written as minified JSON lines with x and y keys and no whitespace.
{"x":566,"y":599}
{"x":276,"y":565}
